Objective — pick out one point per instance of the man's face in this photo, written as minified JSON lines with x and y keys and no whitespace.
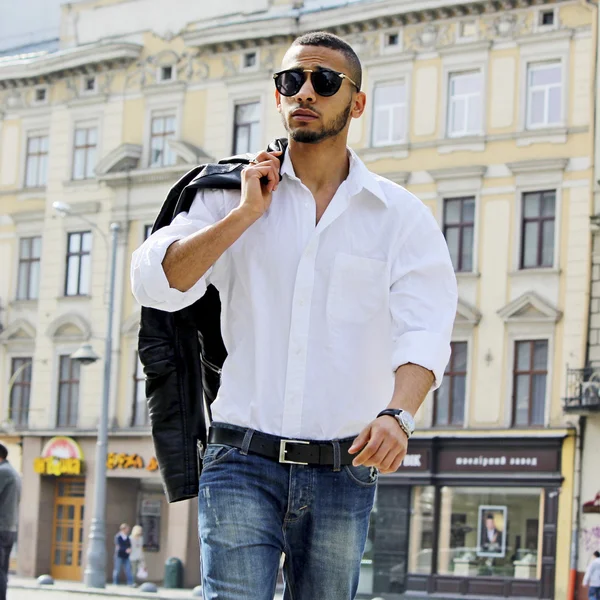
{"x":126,"y":530}
{"x":327,"y":117}
{"x":489,"y":523}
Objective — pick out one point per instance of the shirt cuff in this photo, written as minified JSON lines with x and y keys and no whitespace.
{"x":428,"y":350}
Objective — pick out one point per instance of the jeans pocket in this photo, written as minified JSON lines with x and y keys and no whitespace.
{"x":362,"y":475}
{"x":216,"y":453}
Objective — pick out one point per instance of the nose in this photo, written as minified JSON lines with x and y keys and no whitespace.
{"x":306,"y":94}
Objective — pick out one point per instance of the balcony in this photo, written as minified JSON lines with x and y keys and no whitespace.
{"x":583,"y":391}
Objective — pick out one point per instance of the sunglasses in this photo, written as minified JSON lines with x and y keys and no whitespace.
{"x":325,"y":82}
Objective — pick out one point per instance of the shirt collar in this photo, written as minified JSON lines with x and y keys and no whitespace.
{"x":359,"y":177}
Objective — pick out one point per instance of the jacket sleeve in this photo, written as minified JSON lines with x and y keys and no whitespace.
{"x":149,"y":283}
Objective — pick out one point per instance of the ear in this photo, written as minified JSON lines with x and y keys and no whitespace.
{"x":360,"y":102}
{"x":278,"y":100}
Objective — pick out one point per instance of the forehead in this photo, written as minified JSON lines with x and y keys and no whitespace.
{"x":314,"y":56}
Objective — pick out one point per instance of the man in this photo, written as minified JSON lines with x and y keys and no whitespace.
{"x":122,"y":552}
{"x":592,"y":577}
{"x":10,"y":494}
{"x":331,"y":280}
{"x":491,"y":538}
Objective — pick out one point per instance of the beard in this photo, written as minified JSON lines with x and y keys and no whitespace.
{"x":329,"y":130}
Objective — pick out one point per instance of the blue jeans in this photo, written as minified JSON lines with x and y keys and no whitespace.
{"x":252,"y":509}
{"x":594,"y":593}
{"x":122,"y":563}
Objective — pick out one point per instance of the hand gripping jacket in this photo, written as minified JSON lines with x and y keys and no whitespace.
{"x":182,"y":352}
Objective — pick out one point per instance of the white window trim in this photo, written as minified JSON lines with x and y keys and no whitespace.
{"x":157,"y":106}
{"x":246,"y":98}
{"x":468,"y":38}
{"x":82,"y":87}
{"x":540,"y":52}
{"x":386,"y":48}
{"x":381,"y":75}
{"x":255,"y":66}
{"x":76,"y":228}
{"x":159,"y":74}
{"x":537,"y":187}
{"x":61,"y":349}
{"x":521,"y":332}
{"x":9,"y":356}
{"x":537,"y":25}
{"x":33,"y":128}
{"x":404,"y":138}
{"x":83,"y":120}
{"x":467,"y":133}
{"x":461,"y":62}
{"x":46,"y":100}
{"x":544,"y":64}
{"x":21,"y":234}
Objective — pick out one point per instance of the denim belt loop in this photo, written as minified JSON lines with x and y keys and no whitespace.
{"x":246,"y":443}
{"x":337,"y":456}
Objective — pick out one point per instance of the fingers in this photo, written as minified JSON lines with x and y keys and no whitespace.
{"x":264,"y":165}
{"x":361,"y":439}
{"x":385,"y":446}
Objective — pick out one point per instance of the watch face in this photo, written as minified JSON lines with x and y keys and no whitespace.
{"x":407,"y":420}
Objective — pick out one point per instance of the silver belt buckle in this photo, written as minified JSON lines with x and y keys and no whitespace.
{"x":283,"y":450}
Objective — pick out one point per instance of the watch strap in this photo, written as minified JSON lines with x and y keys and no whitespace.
{"x":394,"y":412}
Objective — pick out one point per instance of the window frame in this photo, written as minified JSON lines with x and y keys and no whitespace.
{"x":31,"y":135}
{"x":540,"y":220}
{"x":515,"y":373}
{"x":529,"y":126}
{"x":455,"y":73}
{"x":235,"y":127}
{"x":71,"y":423}
{"x":86,"y":151}
{"x":451,"y":375}
{"x":80,"y":253}
{"x":19,"y":384}
{"x":390,"y":142}
{"x":28,"y":262}
{"x":165,"y":136}
{"x":461,"y":226}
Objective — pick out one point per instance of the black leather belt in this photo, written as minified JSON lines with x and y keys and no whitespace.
{"x":282,"y":449}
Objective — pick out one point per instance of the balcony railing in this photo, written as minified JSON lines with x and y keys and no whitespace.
{"x":583,"y":391}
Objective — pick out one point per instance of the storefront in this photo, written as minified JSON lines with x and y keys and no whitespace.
{"x":58,"y":483}
{"x":468,"y":516}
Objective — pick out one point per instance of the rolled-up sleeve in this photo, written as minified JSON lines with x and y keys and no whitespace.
{"x":149,"y":283}
{"x":423,"y":298}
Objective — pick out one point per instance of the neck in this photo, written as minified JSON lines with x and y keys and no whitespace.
{"x":320,"y":165}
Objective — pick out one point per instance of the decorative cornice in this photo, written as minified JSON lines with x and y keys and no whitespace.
{"x":530,"y":307}
{"x":32,"y":67}
{"x":77,"y":321}
{"x":537,"y":164}
{"x":144,"y":176}
{"x":20,"y":325}
{"x":467,"y":172}
{"x":190,"y":154}
{"x":123,"y":158}
{"x":467,"y":314}
{"x":27,"y":216}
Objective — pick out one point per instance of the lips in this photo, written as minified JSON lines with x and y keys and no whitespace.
{"x":301,"y":114}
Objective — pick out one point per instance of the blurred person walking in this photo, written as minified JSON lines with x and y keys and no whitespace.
{"x":138,"y":564}
{"x":592,"y":578}
{"x":10,"y":495}
{"x":122,"y":554}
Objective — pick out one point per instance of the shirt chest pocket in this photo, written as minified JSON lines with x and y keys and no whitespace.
{"x":357,"y":289}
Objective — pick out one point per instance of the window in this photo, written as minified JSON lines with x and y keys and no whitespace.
{"x":147,"y":231}
{"x":449,"y":406}
{"x":537,"y":244}
{"x":84,"y":152}
{"x":246,"y":128}
{"x":88,"y":85}
{"x":546,"y":18}
{"x":529,"y":386}
{"x":389,"y":113}
{"x":20,"y":391}
{"x":166,"y":73}
{"x":483,"y":532}
{"x":163,"y":129}
{"x":68,"y":392}
{"x":29,"y":268}
{"x":391,"y":39}
{"x":544,"y":94}
{"x":467,"y":30}
{"x":36,"y":162}
{"x":79,"y":247}
{"x":139,"y":414}
{"x":41,"y":95}
{"x":250,"y":60}
{"x":459,"y":217}
{"x":464,"y":104}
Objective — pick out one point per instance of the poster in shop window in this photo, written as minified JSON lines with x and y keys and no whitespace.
{"x":492,"y":531}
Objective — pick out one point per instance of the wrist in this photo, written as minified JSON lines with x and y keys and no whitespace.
{"x":244,"y":215}
{"x":403,"y":418}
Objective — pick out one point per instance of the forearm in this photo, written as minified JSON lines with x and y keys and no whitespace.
{"x":188,"y":259}
{"x":412,"y":384}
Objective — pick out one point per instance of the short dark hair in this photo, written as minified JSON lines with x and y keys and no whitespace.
{"x":3,"y":452}
{"x":490,"y":516}
{"x":329,"y":40}
{"x":597,"y":554}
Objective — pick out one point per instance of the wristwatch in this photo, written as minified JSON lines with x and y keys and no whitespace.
{"x":404,"y":418}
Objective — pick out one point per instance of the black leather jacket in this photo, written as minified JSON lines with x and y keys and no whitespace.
{"x":183,"y":352}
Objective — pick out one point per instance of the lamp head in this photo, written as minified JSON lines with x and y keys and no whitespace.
{"x":62,"y":208}
{"x":85,"y":355}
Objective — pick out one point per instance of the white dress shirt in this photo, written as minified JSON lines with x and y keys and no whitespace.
{"x":317,"y":318}
{"x":592,"y":574}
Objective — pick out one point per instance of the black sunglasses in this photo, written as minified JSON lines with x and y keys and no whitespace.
{"x":325,"y":82}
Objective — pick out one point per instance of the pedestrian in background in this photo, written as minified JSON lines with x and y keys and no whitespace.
{"x":10,"y":494}
{"x":592,"y":577}
{"x":122,"y":553}
{"x":138,"y":564}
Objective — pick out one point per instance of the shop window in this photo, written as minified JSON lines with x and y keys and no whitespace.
{"x":529,"y":387}
{"x":30,"y":250}
{"x":79,"y":249}
{"x":537,"y":229}
{"x":449,"y":405}
{"x":20,"y":391}
{"x":459,"y":220}
{"x":490,"y":532}
{"x":139,"y":414}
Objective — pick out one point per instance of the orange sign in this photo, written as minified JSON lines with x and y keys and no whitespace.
{"x":60,"y":456}
{"x":121,"y":460}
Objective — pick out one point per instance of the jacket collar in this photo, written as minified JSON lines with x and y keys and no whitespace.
{"x":359,"y":177}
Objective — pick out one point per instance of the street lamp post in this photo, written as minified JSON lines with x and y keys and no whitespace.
{"x":95,"y":571}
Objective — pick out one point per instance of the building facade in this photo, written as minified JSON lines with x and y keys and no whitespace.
{"x":483,"y":110}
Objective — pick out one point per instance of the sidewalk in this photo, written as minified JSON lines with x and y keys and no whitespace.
{"x":20,"y":588}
